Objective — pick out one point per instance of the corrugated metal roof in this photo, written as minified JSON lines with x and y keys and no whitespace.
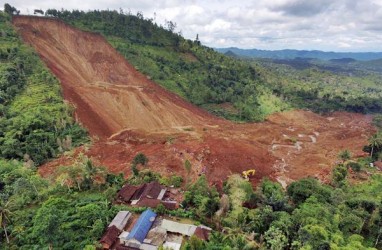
{"x":153,"y":203}
{"x":123,"y":235}
{"x":128,"y":191}
{"x":161,"y":194}
{"x":175,"y":227}
{"x":120,"y":220}
{"x":152,"y":190}
{"x":110,"y":236}
{"x":156,"y":236}
{"x":202,"y":232}
{"x":148,"y":247}
{"x":147,"y":202}
{"x":142,"y":226}
{"x":172,"y":245}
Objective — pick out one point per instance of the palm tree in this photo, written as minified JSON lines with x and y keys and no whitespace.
{"x":5,"y":213}
{"x":375,"y":141}
{"x":95,"y":175}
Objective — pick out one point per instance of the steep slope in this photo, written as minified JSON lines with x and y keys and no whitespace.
{"x":109,"y":93}
{"x":131,"y":114}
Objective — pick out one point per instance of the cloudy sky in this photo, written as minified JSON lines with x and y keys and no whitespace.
{"x":330,"y":25}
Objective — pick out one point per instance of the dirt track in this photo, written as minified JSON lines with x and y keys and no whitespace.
{"x":128,"y":114}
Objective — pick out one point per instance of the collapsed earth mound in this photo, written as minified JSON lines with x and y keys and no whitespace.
{"x":127,"y":113}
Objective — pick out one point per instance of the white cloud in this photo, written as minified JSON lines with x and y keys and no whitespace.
{"x":323,"y":24}
{"x":344,"y":45}
{"x":217,"y":25}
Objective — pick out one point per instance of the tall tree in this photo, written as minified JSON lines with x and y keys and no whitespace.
{"x":5,"y":213}
{"x":10,"y":9}
{"x":375,"y":141}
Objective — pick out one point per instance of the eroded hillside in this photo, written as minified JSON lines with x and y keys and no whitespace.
{"x":129,"y":113}
{"x":109,"y":93}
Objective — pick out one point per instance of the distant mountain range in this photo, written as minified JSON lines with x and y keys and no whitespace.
{"x":291,"y":54}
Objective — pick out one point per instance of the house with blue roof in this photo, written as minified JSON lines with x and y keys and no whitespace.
{"x":142,"y":227}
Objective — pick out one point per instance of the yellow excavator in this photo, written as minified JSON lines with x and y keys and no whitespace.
{"x":248,"y":173}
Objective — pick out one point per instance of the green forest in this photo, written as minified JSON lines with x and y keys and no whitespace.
{"x":71,"y":209}
{"x":324,"y":86}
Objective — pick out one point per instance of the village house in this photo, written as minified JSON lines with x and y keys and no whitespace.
{"x":120,"y":220}
{"x":176,"y":231}
{"x":149,"y":232}
{"x":146,"y":195}
{"x":115,"y":227}
{"x":109,"y":237}
{"x":135,"y":238}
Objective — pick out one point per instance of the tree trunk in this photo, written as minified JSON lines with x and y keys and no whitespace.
{"x":35,"y":189}
{"x":377,"y":241}
{"x":371,"y":153}
{"x":6,"y":234}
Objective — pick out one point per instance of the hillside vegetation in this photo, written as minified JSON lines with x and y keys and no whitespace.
{"x":324,"y":86}
{"x":232,"y":88}
{"x":35,"y":123}
{"x":308,"y":215}
{"x":227,"y":87}
{"x":72,"y":210}
{"x":68,"y":212}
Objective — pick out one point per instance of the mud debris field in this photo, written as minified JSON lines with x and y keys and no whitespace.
{"x":127,"y":113}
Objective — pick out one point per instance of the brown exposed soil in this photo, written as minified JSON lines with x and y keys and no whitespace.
{"x":127,"y":113}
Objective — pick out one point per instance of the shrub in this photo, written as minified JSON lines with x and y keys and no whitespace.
{"x":187,"y":165}
{"x":339,"y":174}
{"x":176,"y":181}
{"x":301,"y":190}
{"x":345,"y":155}
{"x":355,"y":166}
{"x":140,"y":158}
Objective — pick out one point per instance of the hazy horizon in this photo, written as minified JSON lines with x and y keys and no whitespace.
{"x":325,"y":25}
{"x":325,"y":51}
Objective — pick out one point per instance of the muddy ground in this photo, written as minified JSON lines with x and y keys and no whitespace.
{"x":127,"y":113}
